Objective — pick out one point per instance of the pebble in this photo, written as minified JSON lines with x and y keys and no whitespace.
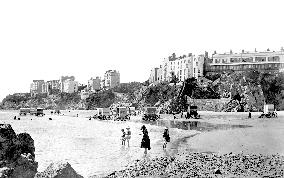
{"x":206,"y":165}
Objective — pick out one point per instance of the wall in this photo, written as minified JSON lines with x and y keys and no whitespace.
{"x":209,"y":104}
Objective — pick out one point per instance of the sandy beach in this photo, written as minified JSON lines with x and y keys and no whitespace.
{"x":94,"y":148}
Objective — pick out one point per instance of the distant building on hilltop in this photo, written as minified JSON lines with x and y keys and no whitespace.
{"x":154,"y":75}
{"x":70,"y":86}
{"x":182,"y":67}
{"x":111,"y":79}
{"x":94,"y":84}
{"x":63,"y":79}
{"x":52,"y":86}
{"x":36,"y":87}
{"x":268,"y":61}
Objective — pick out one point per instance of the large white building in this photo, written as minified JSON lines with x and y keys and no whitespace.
{"x":36,"y":87}
{"x":111,"y":79}
{"x":63,"y":79}
{"x":182,"y":67}
{"x":70,"y":86}
{"x":268,"y":61}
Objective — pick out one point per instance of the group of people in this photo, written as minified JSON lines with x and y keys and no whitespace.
{"x":145,"y":142}
{"x":126,"y":136}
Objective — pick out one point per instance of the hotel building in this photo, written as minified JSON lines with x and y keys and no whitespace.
{"x":111,"y":79}
{"x":182,"y":67}
{"x":38,"y":86}
{"x":70,"y":86}
{"x":267,"y":61}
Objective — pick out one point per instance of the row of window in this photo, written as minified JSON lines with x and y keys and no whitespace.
{"x":250,"y":66}
{"x":248,"y":59}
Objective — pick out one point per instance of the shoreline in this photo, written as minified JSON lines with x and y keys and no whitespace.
{"x":262,"y":139}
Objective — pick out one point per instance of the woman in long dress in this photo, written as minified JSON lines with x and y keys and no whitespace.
{"x":166,"y":136}
{"x":145,"y":143}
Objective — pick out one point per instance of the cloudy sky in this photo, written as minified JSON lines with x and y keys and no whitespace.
{"x":48,"y":39}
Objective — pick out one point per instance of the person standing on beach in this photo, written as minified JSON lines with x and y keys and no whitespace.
{"x":145,"y":143}
{"x":128,"y":135}
{"x":249,"y":116}
{"x":166,"y":136}
{"x":123,"y":137}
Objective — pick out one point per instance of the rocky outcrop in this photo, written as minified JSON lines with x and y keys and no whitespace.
{"x":59,"y":170}
{"x":244,"y":94}
{"x":16,"y":154}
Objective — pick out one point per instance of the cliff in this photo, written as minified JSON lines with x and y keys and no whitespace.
{"x":246,"y":91}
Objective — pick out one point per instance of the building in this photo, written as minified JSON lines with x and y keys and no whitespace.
{"x":182,"y":67}
{"x":52,"y":86}
{"x":268,"y":61}
{"x":63,"y":79}
{"x":94,"y":84}
{"x":153,"y":75}
{"x":70,"y":86}
{"x":37,"y":87}
{"x":84,"y":94}
{"x":111,"y":79}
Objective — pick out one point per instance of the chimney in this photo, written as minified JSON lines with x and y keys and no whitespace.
{"x":231,"y":52}
{"x":243,"y":51}
{"x":215,"y":52}
{"x":255,"y":50}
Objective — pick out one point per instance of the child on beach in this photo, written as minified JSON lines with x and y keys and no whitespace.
{"x":128,"y":135}
{"x":123,"y":137}
{"x":166,"y":136}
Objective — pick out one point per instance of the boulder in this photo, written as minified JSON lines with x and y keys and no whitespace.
{"x":16,"y":154}
{"x":58,"y":170}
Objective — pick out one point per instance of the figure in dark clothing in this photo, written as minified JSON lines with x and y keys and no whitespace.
{"x":166,"y":136}
{"x":249,"y":116}
{"x":145,"y":143}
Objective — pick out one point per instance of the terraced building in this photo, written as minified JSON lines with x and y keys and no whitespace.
{"x":268,"y":61}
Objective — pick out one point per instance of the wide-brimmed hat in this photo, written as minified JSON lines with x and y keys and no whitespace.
{"x":128,"y":127}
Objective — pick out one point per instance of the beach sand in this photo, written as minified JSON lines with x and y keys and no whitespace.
{"x":93,"y":147}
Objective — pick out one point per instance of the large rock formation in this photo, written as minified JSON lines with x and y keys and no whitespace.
{"x":59,"y":170}
{"x":17,"y":158}
{"x":244,"y":94}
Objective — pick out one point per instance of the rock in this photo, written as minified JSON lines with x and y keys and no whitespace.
{"x":16,"y":154}
{"x":59,"y":170}
{"x":5,"y":172}
{"x":217,"y":171}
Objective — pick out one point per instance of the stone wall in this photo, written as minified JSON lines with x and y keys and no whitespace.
{"x":209,"y":104}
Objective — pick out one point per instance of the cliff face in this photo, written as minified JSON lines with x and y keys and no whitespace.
{"x":245,"y":95}
{"x":16,"y":154}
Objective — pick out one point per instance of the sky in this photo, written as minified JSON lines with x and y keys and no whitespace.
{"x":48,"y":39}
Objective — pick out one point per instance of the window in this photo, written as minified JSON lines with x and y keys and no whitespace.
{"x":194,"y":70}
{"x":260,"y":59}
{"x":248,"y":59}
{"x":274,"y":58}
